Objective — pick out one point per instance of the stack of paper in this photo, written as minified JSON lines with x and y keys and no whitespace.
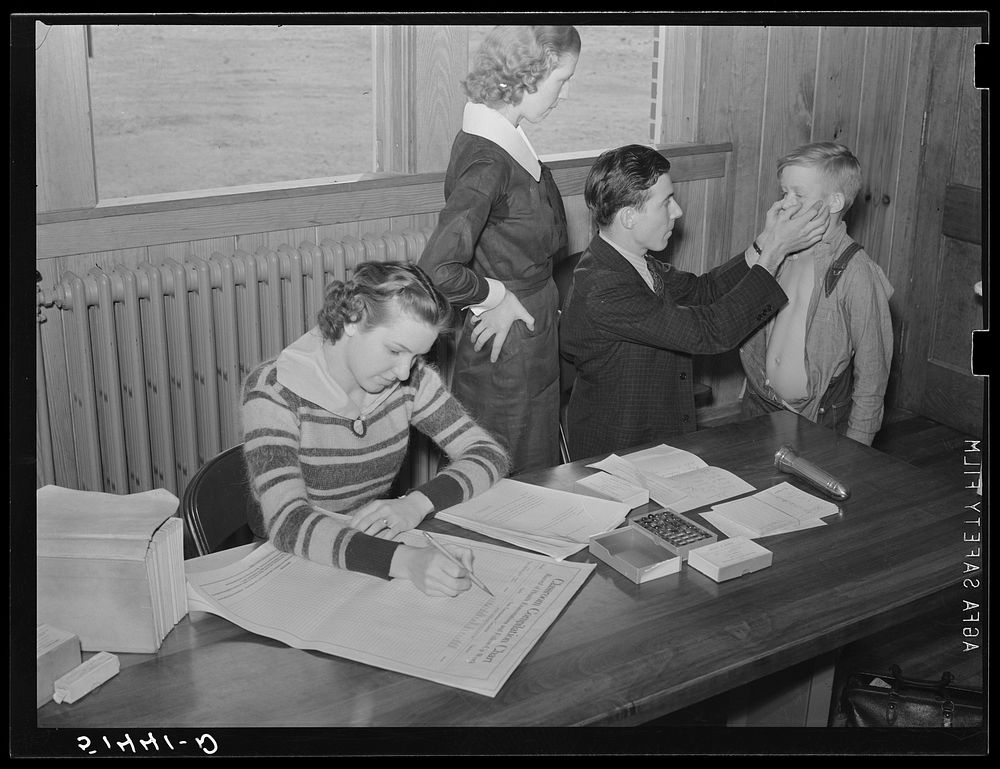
{"x":676,"y":479}
{"x":110,"y":567}
{"x":610,"y":486}
{"x":473,"y":641}
{"x":776,"y":510}
{"x":556,"y":523}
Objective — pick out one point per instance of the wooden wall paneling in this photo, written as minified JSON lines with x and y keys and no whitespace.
{"x":442,"y":62}
{"x":57,"y":386}
{"x":105,"y":260}
{"x":579,"y":223}
{"x":948,"y":399}
{"x":718,"y":211}
{"x":968,"y":167}
{"x":963,"y":213}
{"x":880,"y":133}
{"x":901,"y":249}
{"x":204,"y":249}
{"x":788,"y":103}
{"x":723,"y":373}
{"x":838,"y":84}
{"x":946,"y":57}
{"x":420,"y":221}
{"x":957,"y":311}
{"x":64,"y":145}
{"x":234,"y":215}
{"x":161,"y":252}
{"x":418,"y":96}
{"x":731,"y":110}
{"x":686,"y":249}
{"x":680,"y":50}
{"x":176,"y":220}
{"x":392,"y":51}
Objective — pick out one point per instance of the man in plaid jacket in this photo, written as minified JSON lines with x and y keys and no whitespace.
{"x":631,"y":323}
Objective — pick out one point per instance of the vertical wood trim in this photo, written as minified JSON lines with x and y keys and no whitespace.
{"x":442,"y":62}
{"x":883,"y":98}
{"x":788,"y":103}
{"x":418,"y":96}
{"x":968,"y":166}
{"x":656,"y":87}
{"x":680,"y":54}
{"x":902,"y":257}
{"x":64,"y":142}
{"x":731,"y":110}
{"x":393,"y":85}
{"x":946,"y":59}
{"x":838,"y":85}
{"x":685,"y":251}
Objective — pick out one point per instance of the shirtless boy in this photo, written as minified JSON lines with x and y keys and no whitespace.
{"x":826,"y":354}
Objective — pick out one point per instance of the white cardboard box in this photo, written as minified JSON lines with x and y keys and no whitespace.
{"x":729,"y":558}
{"x":635,"y":555}
{"x":58,"y":653}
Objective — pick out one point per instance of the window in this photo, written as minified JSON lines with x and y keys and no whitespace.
{"x":609,"y":97}
{"x":187,"y":107}
{"x":196,"y":107}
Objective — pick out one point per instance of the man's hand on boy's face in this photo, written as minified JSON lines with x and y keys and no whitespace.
{"x":791,"y":228}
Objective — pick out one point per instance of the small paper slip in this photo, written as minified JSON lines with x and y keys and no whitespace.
{"x":732,"y":530}
{"x":557,"y":523}
{"x":664,"y":460}
{"x":676,"y":479}
{"x":777,"y":510}
{"x":618,"y":467}
{"x":696,"y":488}
{"x":613,"y":487}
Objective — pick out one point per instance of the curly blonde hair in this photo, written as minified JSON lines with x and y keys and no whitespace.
{"x":512,"y":60}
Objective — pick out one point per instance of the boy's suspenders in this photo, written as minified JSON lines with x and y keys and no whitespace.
{"x":837,"y":268}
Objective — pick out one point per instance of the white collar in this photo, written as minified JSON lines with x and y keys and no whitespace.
{"x":302,"y":369}
{"x":486,"y":122}
{"x":636,"y":260}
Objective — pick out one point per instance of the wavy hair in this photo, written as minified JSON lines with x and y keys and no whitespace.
{"x":835,"y":162}
{"x":512,"y":60}
{"x":376,"y":292}
{"x":620,"y":178}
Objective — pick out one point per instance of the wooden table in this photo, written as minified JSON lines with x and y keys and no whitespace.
{"x":620,"y":652}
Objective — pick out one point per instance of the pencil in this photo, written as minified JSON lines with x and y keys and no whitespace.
{"x":475,"y":580}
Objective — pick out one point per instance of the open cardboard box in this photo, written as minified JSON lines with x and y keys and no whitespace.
{"x":638,"y":557}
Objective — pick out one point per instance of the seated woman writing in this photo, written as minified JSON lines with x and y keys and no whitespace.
{"x":326,"y":428}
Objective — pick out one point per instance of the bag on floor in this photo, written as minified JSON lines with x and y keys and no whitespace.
{"x":879,"y":700}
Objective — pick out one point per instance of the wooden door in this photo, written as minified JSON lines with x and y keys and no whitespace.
{"x":937,"y":379}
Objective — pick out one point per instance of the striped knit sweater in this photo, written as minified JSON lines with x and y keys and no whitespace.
{"x":303,"y":459}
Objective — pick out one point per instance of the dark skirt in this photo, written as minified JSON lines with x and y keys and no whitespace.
{"x":517,"y":398}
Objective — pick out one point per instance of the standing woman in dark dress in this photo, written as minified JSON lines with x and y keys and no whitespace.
{"x":502,"y":227}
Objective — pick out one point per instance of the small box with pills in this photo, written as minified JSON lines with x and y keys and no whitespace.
{"x":730,"y":558}
{"x":638,"y":557}
{"x":674,"y":531}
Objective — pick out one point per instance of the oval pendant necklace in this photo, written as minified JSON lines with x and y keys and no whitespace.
{"x":359,"y":427}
